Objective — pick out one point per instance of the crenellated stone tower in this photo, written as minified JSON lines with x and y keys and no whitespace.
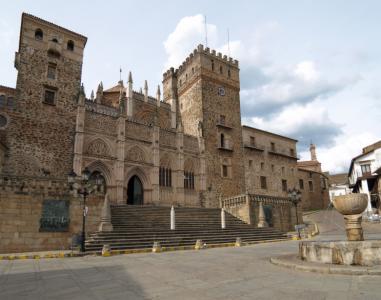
{"x":204,"y":96}
{"x":41,"y":131}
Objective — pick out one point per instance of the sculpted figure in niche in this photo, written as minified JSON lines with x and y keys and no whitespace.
{"x":200,"y":128}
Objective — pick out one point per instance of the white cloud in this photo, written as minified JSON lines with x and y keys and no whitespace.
{"x":189,"y":32}
{"x":306,"y":70}
{"x":301,"y":83}
{"x":287,"y":98}
{"x":306,"y":123}
{"x":7,"y":33}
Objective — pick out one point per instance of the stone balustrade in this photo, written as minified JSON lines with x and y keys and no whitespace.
{"x":250,"y":209}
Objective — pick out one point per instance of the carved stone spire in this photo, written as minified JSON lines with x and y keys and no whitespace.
{"x":130,"y":77}
{"x":122,"y":98}
{"x":145,"y":91}
{"x":158,"y":95}
{"x":99,"y":93}
{"x":92,"y":95}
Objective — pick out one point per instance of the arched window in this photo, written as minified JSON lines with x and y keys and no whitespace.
{"x":189,"y":180}
{"x":229,"y":73}
{"x":102,"y":188}
{"x":165,"y":176}
{"x":70,"y":45}
{"x":222,"y":140}
{"x":212,"y":65}
{"x":54,"y":40}
{"x":221,"y":71}
{"x":38,"y":34}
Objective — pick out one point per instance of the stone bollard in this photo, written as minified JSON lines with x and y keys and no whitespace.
{"x":173,"y":226}
{"x":199,"y":245}
{"x":106,"y":250}
{"x":156,"y":248}
{"x":223,"y":221}
{"x":261,"y":216}
{"x":238,"y":242}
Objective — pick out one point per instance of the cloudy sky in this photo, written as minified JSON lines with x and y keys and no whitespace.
{"x":309,"y":69}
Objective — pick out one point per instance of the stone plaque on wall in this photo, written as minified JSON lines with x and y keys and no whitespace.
{"x":55,"y":216}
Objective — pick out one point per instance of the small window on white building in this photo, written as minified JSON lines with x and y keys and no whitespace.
{"x":365,"y":169}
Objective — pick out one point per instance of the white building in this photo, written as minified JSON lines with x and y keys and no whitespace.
{"x":364,"y":174}
{"x":338,"y":185}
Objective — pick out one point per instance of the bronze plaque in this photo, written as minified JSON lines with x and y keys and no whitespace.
{"x":55,"y":216}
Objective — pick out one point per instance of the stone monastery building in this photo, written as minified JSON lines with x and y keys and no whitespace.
{"x":186,"y":146}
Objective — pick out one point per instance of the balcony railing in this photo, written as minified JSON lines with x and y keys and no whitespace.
{"x":225,"y":147}
{"x":254,"y":146}
{"x":224,"y":125}
{"x":284,"y":153}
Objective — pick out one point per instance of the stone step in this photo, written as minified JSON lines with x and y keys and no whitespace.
{"x":180,"y":231}
{"x":181,"y":235}
{"x":163,"y":243}
{"x":139,"y":226}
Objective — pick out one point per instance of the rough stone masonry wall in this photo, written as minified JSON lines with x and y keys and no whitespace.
{"x":275,"y":167}
{"x":318,"y":198}
{"x":40,"y":137}
{"x":20,"y":222}
{"x":227,"y":105}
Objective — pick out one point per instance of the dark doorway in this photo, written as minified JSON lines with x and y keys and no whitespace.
{"x":135,"y":191}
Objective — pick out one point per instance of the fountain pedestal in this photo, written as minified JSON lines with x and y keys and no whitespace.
{"x":353,"y":227}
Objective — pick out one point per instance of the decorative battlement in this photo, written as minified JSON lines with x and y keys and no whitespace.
{"x":200,"y":50}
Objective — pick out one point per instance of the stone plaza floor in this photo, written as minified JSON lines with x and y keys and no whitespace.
{"x":221,"y":273}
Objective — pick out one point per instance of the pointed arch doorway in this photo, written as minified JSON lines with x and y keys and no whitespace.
{"x":135,"y":191}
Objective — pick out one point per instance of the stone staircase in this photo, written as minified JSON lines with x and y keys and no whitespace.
{"x":137,"y":227}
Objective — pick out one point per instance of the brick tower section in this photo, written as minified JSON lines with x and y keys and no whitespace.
{"x":40,"y":135}
{"x":208,"y":86}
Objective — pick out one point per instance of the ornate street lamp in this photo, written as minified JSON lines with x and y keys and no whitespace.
{"x":83,"y":186}
{"x":295,"y":197}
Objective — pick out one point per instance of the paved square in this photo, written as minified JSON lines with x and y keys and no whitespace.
{"x":224,"y":273}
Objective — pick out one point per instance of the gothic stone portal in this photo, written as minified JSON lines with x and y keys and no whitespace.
{"x":135,"y":191}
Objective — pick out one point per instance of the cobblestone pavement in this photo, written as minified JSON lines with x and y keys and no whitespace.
{"x":221,"y":273}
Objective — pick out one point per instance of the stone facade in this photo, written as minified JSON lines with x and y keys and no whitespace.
{"x":314,"y":188}
{"x":313,"y":183}
{"x":270,"y":162}
{"x":21,"y":202}
{"x":185,"y":147}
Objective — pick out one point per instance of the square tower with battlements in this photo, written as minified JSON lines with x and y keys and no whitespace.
{"x":40,"y":135}
{"x":204,"y":94}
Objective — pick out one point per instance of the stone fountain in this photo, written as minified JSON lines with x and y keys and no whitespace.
{"x":354,"y":251}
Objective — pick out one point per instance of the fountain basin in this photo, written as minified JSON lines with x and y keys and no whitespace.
{"x":351,"y":204}
{"x":360,"y":253}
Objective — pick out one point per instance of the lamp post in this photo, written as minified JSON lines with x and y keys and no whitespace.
{"x":84,"y":187}
{"x":295,"y":197}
